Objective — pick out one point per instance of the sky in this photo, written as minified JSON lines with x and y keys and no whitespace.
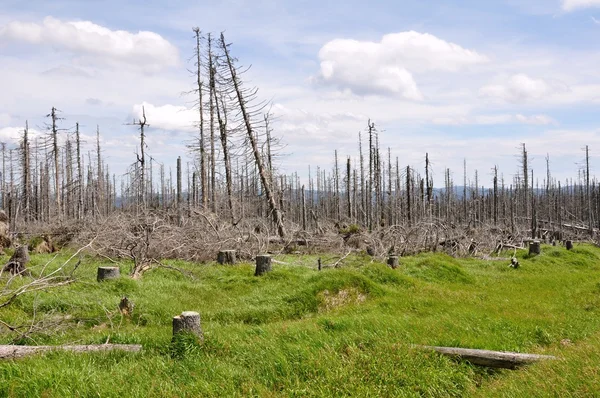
{"x":457,"y":80}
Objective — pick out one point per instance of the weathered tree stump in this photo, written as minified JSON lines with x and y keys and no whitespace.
{"x":5,"y":240}
{"x":105,"y":273}
{"x":17,"y":264}
{"x":188,"y":322}
{"x":534,"y":248}
{"x":126,"y":306}
{"x":263,"y":264}
{"x":569,"y":244}
{"x":226,"y":257}
{"x":392,"y":261}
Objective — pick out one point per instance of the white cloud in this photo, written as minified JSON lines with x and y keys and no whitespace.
{"x":4,"y":119}
{"x":86,"y":38}
{"x":387,"y":67}
{"x":535,"y":119}
{"x":494,"y":120}
{"x":12,"y":135}
{"x":570,"y":5}
{"x":168,"y":117}
{"x":522,"y":88}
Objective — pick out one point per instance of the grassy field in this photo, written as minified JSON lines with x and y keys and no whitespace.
{"x":338,"y":332}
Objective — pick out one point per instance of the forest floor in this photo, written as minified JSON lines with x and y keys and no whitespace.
{"x":297,"y":331}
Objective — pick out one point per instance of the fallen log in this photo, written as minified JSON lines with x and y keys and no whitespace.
{"x":20,"y":351}
{"x":492,"y":359}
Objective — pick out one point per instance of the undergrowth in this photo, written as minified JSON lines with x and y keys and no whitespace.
{"x":297,"y":331}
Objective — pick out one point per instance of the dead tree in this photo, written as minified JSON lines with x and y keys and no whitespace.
{"x":199,"y":89}
{"x":213,"y":163}
{"x":55,"y":152}
{"x":221,"y":110}
{"x":100,"y":176}
{"x":79,"y":173}
{"x":266,"y":178}
{"x":26,"y":172}
{"x":140,"y":164}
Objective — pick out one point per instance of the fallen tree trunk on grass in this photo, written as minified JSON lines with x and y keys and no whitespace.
{"x":20,"y":351}
{"x":492,"y":359}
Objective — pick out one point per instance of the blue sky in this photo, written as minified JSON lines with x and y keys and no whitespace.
{"x":466,"y":79}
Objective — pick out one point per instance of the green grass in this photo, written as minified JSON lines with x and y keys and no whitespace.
{"x":300,"y":332}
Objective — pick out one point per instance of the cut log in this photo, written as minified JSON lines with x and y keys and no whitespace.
{"x":263,"y":264}
{"x":188,"y":321}
{"x":226,"y":257}
{"x":20,"y":351}
{"x":393,"y":262}
{"x":105,"y":273}
{"x":534,"y":248}
{"x":569,"y":244}
{"x":492,"y":359}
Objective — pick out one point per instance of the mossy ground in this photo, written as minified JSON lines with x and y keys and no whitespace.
{"x":296,"y":331}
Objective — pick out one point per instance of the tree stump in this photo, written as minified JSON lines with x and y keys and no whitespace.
{"x":126,"y":306}
{"x":534,"y":248}
{"x":4,"y":235}
{"x":569,"y":244}
{"x":263,"y":264}
{"x":392,"y":261}
{"x":226,"y":257}
{"x":189,"y":322}
{"x":17,"y":264}
{"x":105,"y":273}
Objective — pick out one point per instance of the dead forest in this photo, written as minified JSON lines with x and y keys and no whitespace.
{"x":226,"y":192}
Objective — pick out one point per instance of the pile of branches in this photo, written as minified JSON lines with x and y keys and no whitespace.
{"x":151,"y":236}
{"x":436,"y":236}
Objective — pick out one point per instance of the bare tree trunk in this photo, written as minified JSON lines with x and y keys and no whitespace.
{"x":495,"y":195}
{"x":100,"y":175}
{"x":213,"y":161}
{"x":26,"y":172}
{"x":56,"y":162}
{"x":226,"y":158}
{"x":203,"y":179}
{"x":265,"y":178}
{"x":590,"y":215}
{"x":141,"y":160}
{"x":348,"y":189}
{"x":408,"y":194}
{"x":79,"y":174}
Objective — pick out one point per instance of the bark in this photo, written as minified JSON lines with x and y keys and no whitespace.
{"x":493,"y":359}
{"x":203,"y":178}
{"x":188,"y":322}
{"x":105,"y":273}
{"x":263,"y":265}
{"x":266,"y":179}
{"x":226,"y":257}
{"x":20,"y":351}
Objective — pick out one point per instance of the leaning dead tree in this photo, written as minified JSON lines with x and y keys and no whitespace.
{"x":243,"y":96}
